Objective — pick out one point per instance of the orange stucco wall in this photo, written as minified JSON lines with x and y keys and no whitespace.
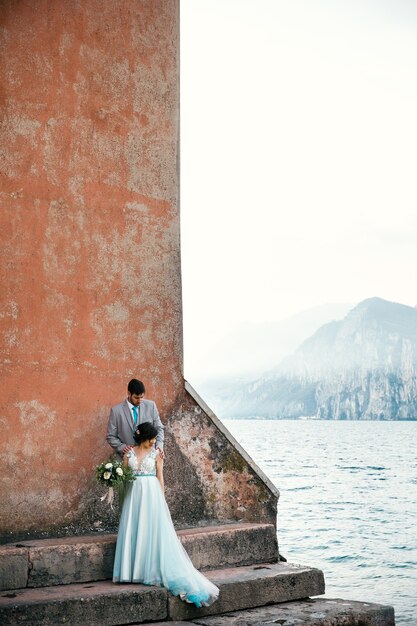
{"x":90,"y":267}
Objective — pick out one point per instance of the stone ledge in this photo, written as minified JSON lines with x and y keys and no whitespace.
{"x":309,"y":612}
{"x":86,"y":559}
{"x":230,"y":545}
{"x":14,"y":567}
{"x":95,"y":604}
{"x":253,"y":586}
{"x":68,"y":560}
{"x":105,"y":604}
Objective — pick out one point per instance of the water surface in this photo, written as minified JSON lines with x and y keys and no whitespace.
{"x":348,"y":502}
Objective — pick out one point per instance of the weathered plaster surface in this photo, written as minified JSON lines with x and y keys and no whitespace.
{"x":90,"y":265}
{"x":217,"y":482}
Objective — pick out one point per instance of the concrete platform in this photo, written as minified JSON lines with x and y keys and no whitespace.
{"x":105,"y":604}
{"x":68,"y":560}
{"x":309,"y":612}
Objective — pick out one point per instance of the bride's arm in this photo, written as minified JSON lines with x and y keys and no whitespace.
{"x":160,"y":472}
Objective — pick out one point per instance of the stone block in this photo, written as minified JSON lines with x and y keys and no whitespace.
{"x":71,"y":560}
{"x":309,"y":612}
{"x":230,"y":545}
{"x":67,"y":560}
{"x":94,"y":604}
{"x":253,"y":586}
{"x":14,"y":566}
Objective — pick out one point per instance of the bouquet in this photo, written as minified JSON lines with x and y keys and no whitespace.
{"x":114,"y":475}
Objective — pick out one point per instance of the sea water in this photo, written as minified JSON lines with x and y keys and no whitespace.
{"x":348,"y":502}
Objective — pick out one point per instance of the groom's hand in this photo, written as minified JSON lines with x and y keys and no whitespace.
{"x":161,"y":452}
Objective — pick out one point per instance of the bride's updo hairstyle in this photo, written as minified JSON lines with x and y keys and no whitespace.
{"x":145,"y":432}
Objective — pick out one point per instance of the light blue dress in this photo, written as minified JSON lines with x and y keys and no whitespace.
{"x":148,"y":550}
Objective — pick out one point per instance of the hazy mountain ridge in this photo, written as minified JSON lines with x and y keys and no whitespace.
{"x":376,"y":334}
{"x":361,"y":367}
{"x":253,"y":348}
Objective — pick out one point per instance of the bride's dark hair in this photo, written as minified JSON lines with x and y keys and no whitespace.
{"x":145,"y":432}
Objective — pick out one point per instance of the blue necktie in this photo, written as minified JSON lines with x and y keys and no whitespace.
{"x":135,"y":414}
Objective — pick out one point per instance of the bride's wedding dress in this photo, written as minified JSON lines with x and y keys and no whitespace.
{"x":148,"y":550}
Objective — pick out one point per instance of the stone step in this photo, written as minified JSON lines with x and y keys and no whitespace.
{"x":308,"y":612}
{"x":105,"y":604}
{"x":95,"y":604}
{"x":253,"y":586}
{"x":47,"y":562}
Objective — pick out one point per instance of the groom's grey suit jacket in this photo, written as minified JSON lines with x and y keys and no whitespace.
{"x":120,"y":427}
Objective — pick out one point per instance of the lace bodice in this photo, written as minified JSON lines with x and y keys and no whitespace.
{"x":147,"y":467}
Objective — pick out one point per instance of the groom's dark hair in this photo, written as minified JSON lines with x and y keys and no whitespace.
{"x":136,"y":386}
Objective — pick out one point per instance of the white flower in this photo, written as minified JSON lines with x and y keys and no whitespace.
{"x":106,"y":475}
{"x":108,"y":465}
{"x":119,"y":471}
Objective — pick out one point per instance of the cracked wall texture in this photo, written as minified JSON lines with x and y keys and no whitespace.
{"x":90,"y":255}
{"x":90,"y":266}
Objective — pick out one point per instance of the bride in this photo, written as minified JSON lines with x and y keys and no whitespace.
{"x":148,"y":550}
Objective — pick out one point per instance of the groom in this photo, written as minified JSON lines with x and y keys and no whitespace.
{"x":125,"y":417}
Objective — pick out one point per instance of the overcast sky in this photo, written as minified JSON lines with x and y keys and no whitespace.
{"x":298,"y":158}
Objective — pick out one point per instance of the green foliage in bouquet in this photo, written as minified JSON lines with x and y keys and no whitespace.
{"x":114,"y":475}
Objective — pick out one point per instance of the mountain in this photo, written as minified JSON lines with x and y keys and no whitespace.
{"x":252,"y":348}
{"x":361,"y":367}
